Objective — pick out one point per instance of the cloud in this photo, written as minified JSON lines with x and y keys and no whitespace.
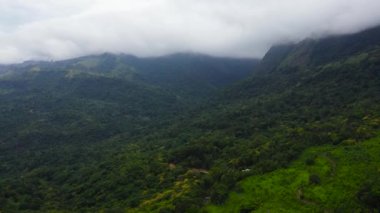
{"x":54,"y":30}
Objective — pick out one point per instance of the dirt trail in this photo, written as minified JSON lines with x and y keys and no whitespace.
{"x":333,"y":165}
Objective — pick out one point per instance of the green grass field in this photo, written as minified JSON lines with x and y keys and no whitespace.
{"x":323,"y":179}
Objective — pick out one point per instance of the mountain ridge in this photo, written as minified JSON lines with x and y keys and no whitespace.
{"x":93,"y":134}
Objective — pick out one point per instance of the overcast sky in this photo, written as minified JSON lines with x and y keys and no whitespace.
{"x":54,"y":30}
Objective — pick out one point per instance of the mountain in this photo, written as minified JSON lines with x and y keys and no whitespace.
{"x":183,"y":73}
{"x":100,"y":96}
{"x":293,"y":101}
{"x":58,"y":115}
{"x":190,"y":133}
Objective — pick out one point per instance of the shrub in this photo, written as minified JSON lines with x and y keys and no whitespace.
{"x":314,"y":179}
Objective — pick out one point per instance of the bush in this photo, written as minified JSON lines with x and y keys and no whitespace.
{"x":247,"y":208}
{"x":369,"y":194}
{"x":314,"y":179}
{"x":310,"y":161}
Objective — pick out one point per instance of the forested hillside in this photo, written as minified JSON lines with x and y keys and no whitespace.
{"x":97,"y":97}
{"x":187,"y":132}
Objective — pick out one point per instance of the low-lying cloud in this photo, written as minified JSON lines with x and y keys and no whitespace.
{"x":54,"y":30}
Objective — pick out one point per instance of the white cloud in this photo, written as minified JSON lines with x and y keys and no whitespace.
{"x":50,"y":29}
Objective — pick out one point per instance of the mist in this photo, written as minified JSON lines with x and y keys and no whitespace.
{"x":54,"y":30}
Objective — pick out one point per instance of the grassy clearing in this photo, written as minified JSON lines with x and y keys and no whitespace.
{"x":325,"y":178}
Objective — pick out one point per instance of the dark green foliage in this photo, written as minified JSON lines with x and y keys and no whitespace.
{"x":314,"y":179}
{"x":344,"y":170}
{"x":369,"y":194}
{"x":247,"y":209}
{"x":310,"y":161}
{"x":119,"y":133}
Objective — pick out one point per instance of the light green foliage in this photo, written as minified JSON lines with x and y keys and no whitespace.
{"x":343,"y":170}
{"x":357,"y":59}
{"x":115,"y":133}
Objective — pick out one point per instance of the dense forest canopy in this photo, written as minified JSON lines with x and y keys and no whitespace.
{"x":191,"y":133}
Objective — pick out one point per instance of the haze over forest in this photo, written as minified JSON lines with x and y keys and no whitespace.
{"x":187,"y":106}
{"x":55,"y":30}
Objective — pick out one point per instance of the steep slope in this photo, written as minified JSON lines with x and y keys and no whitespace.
{"x":188,"y":75}
{"x":324,"y":178}
{"x":261,"y":124}
{"x":51,"y":105}
{"x":61,"y":121}
{"x":107,"y":94}
{"x":299,"y":97}
{"x":213,"y":71}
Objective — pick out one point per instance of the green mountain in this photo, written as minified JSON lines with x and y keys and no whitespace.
{"x":96,"y":97}
{"x":193,"y":133}
{"x":57,"y":115}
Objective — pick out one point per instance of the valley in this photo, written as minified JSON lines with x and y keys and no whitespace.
{"x":297,"y":130}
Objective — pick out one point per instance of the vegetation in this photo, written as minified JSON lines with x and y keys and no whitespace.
{"x":117,"y":133}
{"x":344,"y":177}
